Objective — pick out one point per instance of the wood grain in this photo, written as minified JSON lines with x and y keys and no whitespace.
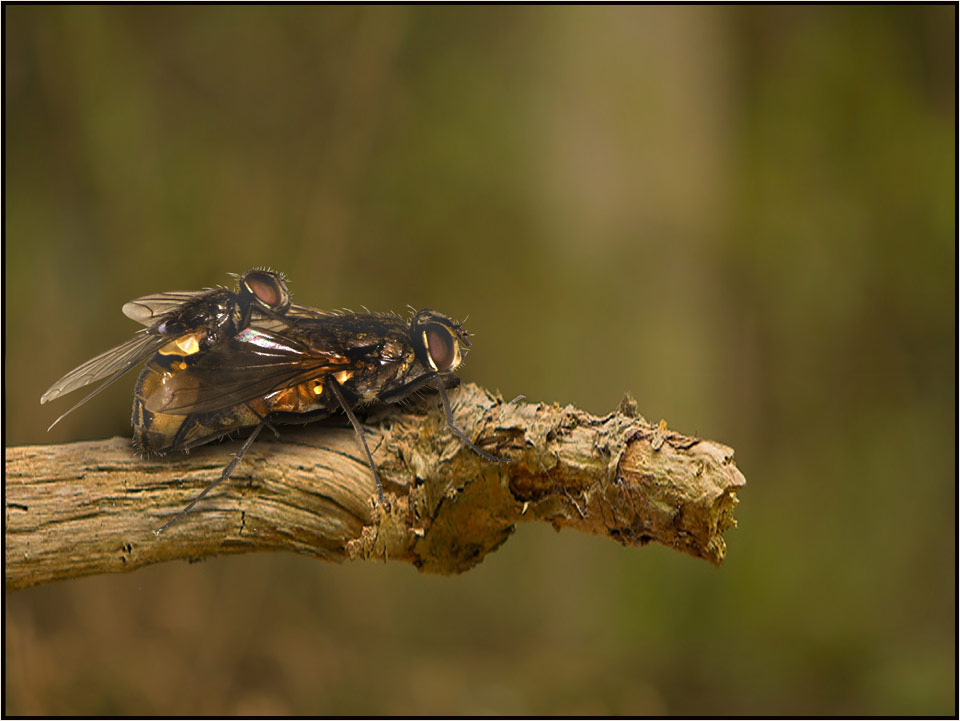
{"x":93,"y":507}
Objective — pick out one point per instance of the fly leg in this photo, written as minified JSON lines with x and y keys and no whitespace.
{"x":460,"y":434}
{"x":335,"y":387}
{"x":224,"y":475}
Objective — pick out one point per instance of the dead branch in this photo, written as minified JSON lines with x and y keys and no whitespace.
{"x":87,"y":508}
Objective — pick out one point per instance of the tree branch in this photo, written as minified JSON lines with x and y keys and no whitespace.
{"x":86,"y":508}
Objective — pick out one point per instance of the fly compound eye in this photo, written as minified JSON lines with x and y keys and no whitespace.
{"x":442,"y":350}
{"x":267,"y":289}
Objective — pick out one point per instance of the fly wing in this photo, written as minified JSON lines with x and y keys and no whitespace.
{"x":304,"y":311}
{"x":251,"y":365}
{"x":289,"y":318}
{"x":148,"y":309}
{"x":114,"y":362}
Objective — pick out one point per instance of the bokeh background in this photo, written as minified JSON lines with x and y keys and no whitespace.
{"x":744,"y":216}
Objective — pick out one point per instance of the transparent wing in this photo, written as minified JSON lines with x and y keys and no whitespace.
{"x":114,"y":362}
{"x":305,"y":311}
{"x":253,"y":364}
{"x":289,"y":319}
{"x":148,"y":309}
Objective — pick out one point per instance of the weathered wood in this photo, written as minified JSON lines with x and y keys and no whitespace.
{"x":84,"y":508}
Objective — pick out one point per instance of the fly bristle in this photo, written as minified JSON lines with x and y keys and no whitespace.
{"x":267,"y":269}
{"x":144,"y":453}
{"x":380,"y":360}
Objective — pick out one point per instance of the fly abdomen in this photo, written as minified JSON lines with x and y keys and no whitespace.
{"x":157,"y":432}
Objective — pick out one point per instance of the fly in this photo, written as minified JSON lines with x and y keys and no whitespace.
{"x":251,"y":359}
{"x":181,"y":323}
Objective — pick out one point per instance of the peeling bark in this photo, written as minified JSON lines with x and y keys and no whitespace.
{"x":93,"y":507}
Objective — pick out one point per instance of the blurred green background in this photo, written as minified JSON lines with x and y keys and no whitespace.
{"x":744,"y":216}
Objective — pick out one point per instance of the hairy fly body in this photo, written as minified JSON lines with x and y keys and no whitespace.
{"x":181,"y":323}
{"x":220,"y":361}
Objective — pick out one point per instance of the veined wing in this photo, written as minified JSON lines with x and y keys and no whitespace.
{"x":149,"y":308}
{"x":253,"y":364}
{"x":114,"y":363}
{"x":110,"y":365}
{"x":289,"y":318}
{"x":304,"y":311}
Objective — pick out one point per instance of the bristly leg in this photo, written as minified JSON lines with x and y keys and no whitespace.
{"x":460,"y":434}
{"x":224,"y":475}
{"x":335,"y":387}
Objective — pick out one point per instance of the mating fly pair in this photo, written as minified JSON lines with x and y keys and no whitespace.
{"x":222,"y":360}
